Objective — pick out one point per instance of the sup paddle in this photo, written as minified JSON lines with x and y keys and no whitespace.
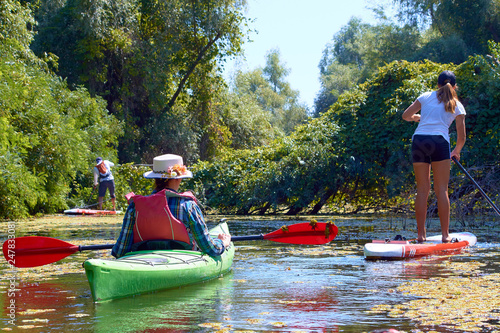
{"x":477,"y":185}
{"x":91,"y":194}
{"x":32,"y":251}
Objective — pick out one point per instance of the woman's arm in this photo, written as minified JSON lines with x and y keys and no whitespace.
{"x":211,"y":246}
{"x":410,"y":112}
{"x":96,"y":176}
{"x":461,"y":134}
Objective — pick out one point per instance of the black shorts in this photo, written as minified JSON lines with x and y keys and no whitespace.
{"x":429,"y":148}
{"x":107,"y":184}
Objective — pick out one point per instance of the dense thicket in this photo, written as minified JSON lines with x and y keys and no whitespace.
{"x":466,"y":25}
{"x":154,"y":62}
{"x":356,"y":155}
{"x":443,"y":31}
{"x":48,"y":132}
{"x":132,"y":79}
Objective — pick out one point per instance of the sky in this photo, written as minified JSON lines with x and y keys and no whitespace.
{"x":300,"y":30}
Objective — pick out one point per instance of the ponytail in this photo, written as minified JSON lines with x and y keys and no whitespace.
{"x":447,"y":95}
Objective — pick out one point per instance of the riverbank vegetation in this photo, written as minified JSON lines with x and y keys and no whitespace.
{"x":135,"y":79}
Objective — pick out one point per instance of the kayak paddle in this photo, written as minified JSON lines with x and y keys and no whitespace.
{"x":477,"y":185}
{"x":32,"y":251}
{"x":313,"y":233}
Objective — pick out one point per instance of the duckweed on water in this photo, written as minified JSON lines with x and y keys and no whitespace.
{"x":464,"y":298}
{"x":465,"y":301}
{"x":326,"y":250}
{"x":221,"y":327}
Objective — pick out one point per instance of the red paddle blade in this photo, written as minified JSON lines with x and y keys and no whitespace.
{"x":31,"y":251}
{"x":314,"y":233}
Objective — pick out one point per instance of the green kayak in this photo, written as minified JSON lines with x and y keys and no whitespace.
{"x":148,"y":271}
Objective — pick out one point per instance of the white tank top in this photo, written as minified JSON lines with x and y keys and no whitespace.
{"x":434,"y":120}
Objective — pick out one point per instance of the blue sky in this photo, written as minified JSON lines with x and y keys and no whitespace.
{"x":300,"y":29}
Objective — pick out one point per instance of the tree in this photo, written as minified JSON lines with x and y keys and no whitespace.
{"x":479,"y":87}
{"x":336,"y":80}
{"x":249,"y":125}
{"x":288,"y":175}
{"x":49,"y":133}
{"x":346,"y":47}
{"x":356,"y":52}
{"x":148,"y":59}
{"x":275,"y":73}
{"x":268,"y":86}
{"x":474,"y":22}
{"x":356,"y":156}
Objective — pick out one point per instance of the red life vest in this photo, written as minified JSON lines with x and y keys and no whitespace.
{"x":154,"y":220}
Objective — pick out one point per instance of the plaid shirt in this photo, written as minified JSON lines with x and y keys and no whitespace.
{"x":186,"y":211}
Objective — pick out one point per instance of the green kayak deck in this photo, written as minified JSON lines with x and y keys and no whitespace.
{"x":148,"y":271}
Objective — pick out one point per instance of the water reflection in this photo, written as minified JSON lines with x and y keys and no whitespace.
{"x":46,"y":306}
{"x":177,"y":310}
{"x":273,"y":287}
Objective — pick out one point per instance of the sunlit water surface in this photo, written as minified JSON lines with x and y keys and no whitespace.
{"x":273,"y":287}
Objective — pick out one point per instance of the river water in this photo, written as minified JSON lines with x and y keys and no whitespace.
{"x":272,"y":287}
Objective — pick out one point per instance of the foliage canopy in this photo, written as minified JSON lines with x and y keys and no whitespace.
{"x":49,"y":132}
{"x":133,"y":79}
{"x":356,"y":155}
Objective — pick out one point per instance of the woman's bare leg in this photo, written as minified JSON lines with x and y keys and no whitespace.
{"x":441,"y":176}
{"x":423,"y":180}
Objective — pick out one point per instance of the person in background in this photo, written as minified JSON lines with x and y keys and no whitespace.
{"x":167,"y":219}
{"x":431,"y":148}
{"x":104,"y":178}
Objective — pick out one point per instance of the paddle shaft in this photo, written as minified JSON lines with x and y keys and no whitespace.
{"x":32,"y":251}
{"x":245,"y":238}
{"x":95,"y":247}
{"x":76,"y":248}
{"x":64,"y":249}
{"x":233,"y":239}
{"x":38,"y":256}
{"x":91,"y":194}
{"x":477,"y":185}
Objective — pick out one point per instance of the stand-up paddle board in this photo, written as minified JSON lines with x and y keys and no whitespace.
{"x":401,"y":249}
{"x":83,"y":211}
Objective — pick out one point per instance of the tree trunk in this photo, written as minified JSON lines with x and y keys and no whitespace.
{"x":294,"y":210}
{"x":190,"y":71}
{"x":322,"y":201}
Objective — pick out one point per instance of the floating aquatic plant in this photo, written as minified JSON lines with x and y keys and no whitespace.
{"x":466,"y":301}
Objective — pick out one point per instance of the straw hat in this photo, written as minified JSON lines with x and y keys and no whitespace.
{"x":168,"y":166}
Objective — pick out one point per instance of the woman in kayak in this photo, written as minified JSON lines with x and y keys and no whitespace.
{"x":431,"y":148}
{"x":167,"y":219}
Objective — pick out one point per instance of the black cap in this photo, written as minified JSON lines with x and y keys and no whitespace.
{"x":98,"y":160}
{"x":447,"y":77}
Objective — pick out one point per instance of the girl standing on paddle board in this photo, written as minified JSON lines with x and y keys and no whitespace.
{"x":431,"y":148}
